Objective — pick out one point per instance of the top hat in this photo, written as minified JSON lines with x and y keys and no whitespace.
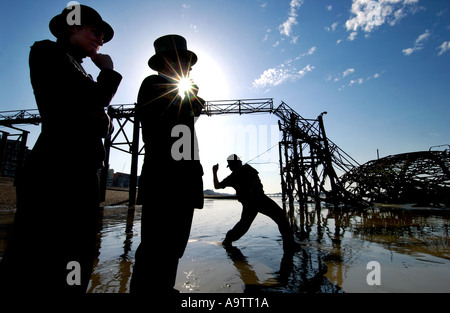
{"x":87,"y":16}
{"x":173,"y":47}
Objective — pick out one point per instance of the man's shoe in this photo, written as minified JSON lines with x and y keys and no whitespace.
{"x":227,"y":243}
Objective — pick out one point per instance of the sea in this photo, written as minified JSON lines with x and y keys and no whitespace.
{"x":380,"y":249}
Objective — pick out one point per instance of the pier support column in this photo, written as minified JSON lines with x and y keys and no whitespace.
{"x":134,"y":163}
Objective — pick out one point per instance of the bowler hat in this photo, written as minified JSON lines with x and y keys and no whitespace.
{"x":173,"y":47}
{"x":233,"y":158}
{"x":87,"y":16}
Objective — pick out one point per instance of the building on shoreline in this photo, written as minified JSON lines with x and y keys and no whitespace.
{"x":10,"y":154}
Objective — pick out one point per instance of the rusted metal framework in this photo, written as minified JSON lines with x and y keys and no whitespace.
{"x":420,"y":177}
{"x":245,"y":106}
{"x":309,"y":162}
{"x":9,"y":118}
{"x":307,"y":157}
{"x":313,"y":169}
{"x":124,"y":114}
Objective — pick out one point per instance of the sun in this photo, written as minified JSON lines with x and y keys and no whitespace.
{"x":210,"y":78}
{"x":185,"y":86}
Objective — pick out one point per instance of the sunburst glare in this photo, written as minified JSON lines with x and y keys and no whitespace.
{"x":184,"y":85}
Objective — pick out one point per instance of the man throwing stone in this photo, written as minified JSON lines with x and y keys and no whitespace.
{"x":249,"y":191}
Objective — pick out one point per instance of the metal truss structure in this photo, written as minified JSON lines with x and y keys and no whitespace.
{"x":246,"y":106}
{"x":313,"y":169}
{"x":124,"y":114}
{"x":9,"y":118}
{"x":309,"y":162}
{"x":420,"y":177}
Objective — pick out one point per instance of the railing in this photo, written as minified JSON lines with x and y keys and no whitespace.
{"x":8,"y":118}
{"x":238,"y":106}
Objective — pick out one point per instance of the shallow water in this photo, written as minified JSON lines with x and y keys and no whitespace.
{"x":411,"y":247}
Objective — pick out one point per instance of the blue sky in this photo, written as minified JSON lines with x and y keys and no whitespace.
{"x":379,"y":68}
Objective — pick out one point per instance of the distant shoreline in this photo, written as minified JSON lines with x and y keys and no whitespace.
{"x":218,"y":196}
{"x":114,"y":195}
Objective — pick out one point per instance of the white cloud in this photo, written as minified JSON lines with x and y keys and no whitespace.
{"x":423,"y":37}
{"x":348,"y":72}
{"x":276,"y":76}
{"x":359,"y":81}
{"x":272,"y":77}
{"x":267,"y":34}
{"x":346,"y":81}
{"x":352,"y":36}
{"x":329,"y":7}
{"x":332,"y":27}
{"x":418,"y":44}
{"x":368,"y":15}
{"x":444,"y":47}
{"x":312,"y":50}
{"x":287,"y":71}
{"x":410,"y":51}
{"x":306,"y":69}
{"x":286,"y":27}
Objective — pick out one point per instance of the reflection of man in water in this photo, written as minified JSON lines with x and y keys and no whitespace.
{"x":249,"y":191}
{"x":171,"y":185}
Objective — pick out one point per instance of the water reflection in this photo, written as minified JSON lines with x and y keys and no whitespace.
{"x":298,"y":272}
{"x":411,"y":244}
{"x":112,"y":272}
{"x":412,"y":247}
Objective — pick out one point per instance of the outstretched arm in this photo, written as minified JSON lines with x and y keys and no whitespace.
{"x":217,"y":184}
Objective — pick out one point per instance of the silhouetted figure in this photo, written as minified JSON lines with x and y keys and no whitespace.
{"x":57,"y":192}
{"x":249,"y":191}
{"x":172,"y":186}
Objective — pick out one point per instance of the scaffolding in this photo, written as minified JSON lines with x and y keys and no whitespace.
{"x":421,"y":177}
{"x":309,"y":161}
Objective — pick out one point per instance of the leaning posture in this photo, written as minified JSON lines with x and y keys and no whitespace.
{"x":249,"y":191}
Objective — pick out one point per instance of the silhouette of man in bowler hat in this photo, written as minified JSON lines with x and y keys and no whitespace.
{"x":171,"y":183}
{"x":53,"y":245}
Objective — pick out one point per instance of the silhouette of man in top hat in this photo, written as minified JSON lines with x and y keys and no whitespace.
{"x":249,"y":191}
{"x":171,"y":184}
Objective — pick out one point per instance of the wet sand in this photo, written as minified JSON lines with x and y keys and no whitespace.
{"x":114,"y":195}
{"x":412,"y":247}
